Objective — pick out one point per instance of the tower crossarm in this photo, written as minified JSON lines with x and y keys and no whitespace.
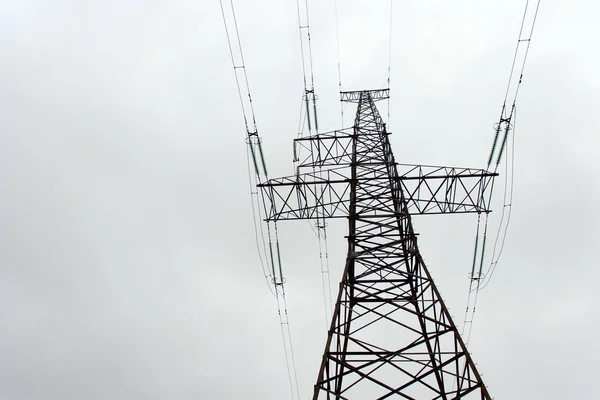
{"x":374,"y":95}
{"x":324,"y":192}
{"x":441,"y":190}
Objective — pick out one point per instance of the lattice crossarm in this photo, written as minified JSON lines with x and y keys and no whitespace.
{"x":355,"y":96}
{"x":315,"y":195}
{"x":443,"y":190}
{"x":324,"y":193}
{"x":324,"y":150}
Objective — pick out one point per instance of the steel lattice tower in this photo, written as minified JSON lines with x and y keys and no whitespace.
{"x":391,"y":335}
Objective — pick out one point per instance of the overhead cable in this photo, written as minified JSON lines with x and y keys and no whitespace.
{"x":309,"y":96}
{"x":506,"y":124}
{"x":309,"y":99}
{"x":270,"y":254}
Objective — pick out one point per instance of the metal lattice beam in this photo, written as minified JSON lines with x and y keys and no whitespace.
{"x":355,"y":96}
{"x":322,"y":191}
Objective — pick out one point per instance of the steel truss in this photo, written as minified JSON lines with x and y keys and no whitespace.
{"x":391,"y":334}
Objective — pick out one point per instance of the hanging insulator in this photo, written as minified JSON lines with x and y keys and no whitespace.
{"x":475,"y":253}
{"x":252,"y":152}
{"x":504,"y":140}
{"x":498,"y":129}
{"x":279,"y":261}
{"x":262,"y":158}
{"x":272,"y":260}
{"x":482,"y":252}
{"x":315,"y":110}
{"x":295,"y":152}
{"x":308,"y":111}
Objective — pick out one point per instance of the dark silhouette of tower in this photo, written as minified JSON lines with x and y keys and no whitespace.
{"x":391,"y":335}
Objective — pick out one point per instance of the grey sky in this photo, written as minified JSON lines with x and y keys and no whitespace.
{"x":127,"y":260}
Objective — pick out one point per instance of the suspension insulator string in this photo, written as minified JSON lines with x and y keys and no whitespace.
{"x":506,"y":209}
{"x":258,"y":226}
{"x":483,"y":247}
{"x":262,"y":158}
{"x":498,"y":129}
{"x":271,"y":254}
{"x":503,"y":144}
{"x":281,"y":279}
{"x":295,"y":151}
{"x":253,"y":153}
{"x":476,"y":242}
{"x":315,"y":112}
{"x":306,"y":98}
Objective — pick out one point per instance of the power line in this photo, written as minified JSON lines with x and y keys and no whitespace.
{"x":268,"y":250}
{"x":506,"y":209}
{"x":508,"y":113}
{"x":528,"y":21}
{"x":507,"y":121}
{"x":389,"y":71}
{"x":309,"y":99}
{"x":253,"y":141}
{"x":339,"y":68}
{"x":307,"y":66}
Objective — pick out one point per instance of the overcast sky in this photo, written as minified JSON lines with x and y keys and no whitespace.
{"x":127,"y":260}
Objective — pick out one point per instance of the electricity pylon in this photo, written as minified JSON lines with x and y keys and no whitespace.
{"x":391,"y":334}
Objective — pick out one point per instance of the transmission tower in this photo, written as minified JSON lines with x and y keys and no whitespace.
{"x":391,"y":335}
